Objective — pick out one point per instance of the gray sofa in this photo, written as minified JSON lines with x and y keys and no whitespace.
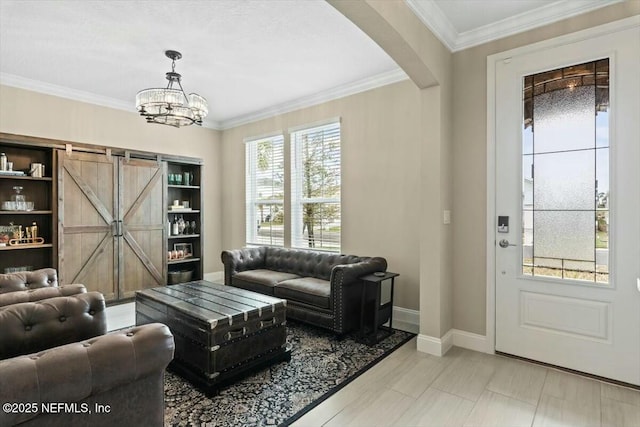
{"x":320,"y":288}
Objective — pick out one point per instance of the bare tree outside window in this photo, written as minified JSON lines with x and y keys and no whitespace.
{"x":318,"y":162}
{"x":265,"y":191}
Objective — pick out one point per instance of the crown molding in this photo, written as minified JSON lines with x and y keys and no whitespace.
{"x":369,"y":83}
{"x":76,"y":95}
{"x":544,"y":15}
{"x":382,"y":79}
{"x":433,"y":17}
{"x":436,"y":21}
{"x":62,"y":92}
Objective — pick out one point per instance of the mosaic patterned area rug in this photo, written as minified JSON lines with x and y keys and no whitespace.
{"x":320,"y":365}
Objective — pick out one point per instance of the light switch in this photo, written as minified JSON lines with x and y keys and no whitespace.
{"x":446,"y":217}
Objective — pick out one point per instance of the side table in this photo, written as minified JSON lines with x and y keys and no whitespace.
{"x":379,"y":312}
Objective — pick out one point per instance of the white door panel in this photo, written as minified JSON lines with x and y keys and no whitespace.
{"x":590,"y":325}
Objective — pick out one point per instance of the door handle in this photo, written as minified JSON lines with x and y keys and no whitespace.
{"x":504,"y":243}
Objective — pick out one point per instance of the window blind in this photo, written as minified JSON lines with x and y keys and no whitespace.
{"x":315,"y":188}
{"x":265,"y":191}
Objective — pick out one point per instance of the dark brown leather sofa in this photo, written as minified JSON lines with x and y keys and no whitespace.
{"x":34,"y":286}
{"x":36,"y":313}
{"x":320,"y":288}
{"x":122,"y":371}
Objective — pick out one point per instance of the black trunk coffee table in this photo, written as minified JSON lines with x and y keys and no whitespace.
{"x":220,"y":332}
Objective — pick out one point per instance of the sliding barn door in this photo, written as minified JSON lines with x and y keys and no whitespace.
{"x":142,"y":228}
{"x":111,"y":223}
{"x":87,"y":245}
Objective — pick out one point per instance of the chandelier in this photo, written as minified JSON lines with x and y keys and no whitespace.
{"x":169,"y":106}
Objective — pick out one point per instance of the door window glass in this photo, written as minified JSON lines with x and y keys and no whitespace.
{"x":565,"y":173}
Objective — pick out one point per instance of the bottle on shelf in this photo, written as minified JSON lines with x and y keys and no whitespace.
{"x":3,"y":162}
{"x":193,"y":227}
{"x":181,"y":225}
{"x":174,"y":227}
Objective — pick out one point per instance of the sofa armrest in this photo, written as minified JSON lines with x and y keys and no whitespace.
{"x":346,"y":291}
{"x":349,"y":273}
{"x":34,"y":326}
{"x":38,"y":294}
{"x":238,"y":260}
{"x":74,"y":372}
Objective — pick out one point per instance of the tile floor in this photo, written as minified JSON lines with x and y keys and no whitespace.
{"x":467,"y":388}
{"x":462,"y":388}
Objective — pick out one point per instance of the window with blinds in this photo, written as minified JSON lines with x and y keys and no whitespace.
{"x":315,"y":188}
{"x":265,"y":191}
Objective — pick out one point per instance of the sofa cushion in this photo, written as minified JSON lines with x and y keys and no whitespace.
{"x":309,"y":290}
{"x":260,"y":280}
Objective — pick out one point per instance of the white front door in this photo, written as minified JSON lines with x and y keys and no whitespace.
{"x":567,"y":127}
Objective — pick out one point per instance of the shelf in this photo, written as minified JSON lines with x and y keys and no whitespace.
{"x":26,"y":178}
{"x":25,"y":212}
{"x":188,"y":187}
{"x":183,"y":261}
{"x":183,"y":211}
{"x":17,"y":247}
{"x":183,"y":236}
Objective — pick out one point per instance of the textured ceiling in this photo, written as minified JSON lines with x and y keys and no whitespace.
{"x":243,"y":56}
{"x":249,"y":58}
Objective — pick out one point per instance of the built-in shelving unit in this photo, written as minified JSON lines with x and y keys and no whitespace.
{"x":126,"y":198}
{"x":184,"y":189}
{"x":39,"y":190}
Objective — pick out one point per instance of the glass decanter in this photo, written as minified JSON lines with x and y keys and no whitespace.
{"x":18,"y":199}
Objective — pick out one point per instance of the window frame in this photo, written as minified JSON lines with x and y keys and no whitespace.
{"x":297,"y":180}
{"x":251,"y":191}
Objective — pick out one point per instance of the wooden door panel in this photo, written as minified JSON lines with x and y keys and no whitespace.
{"x":87,"y":246}
{"x":89,"y":260}
{"x":141,"y":208}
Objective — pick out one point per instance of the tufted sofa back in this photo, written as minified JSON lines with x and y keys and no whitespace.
{"x":34,"y":326}
{"x":46,"y":277}
{"x":122,"y":371}
{"x":306,"y":263}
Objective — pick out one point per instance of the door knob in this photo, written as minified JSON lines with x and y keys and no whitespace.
{"x":504,"y":243}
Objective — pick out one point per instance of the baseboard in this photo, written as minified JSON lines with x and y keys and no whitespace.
{"x":216,"y":277}
{"x":470,"y":341}
{"x":454,"y":337}
{"x":406,"y":320}
{"x":435,"y":346}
